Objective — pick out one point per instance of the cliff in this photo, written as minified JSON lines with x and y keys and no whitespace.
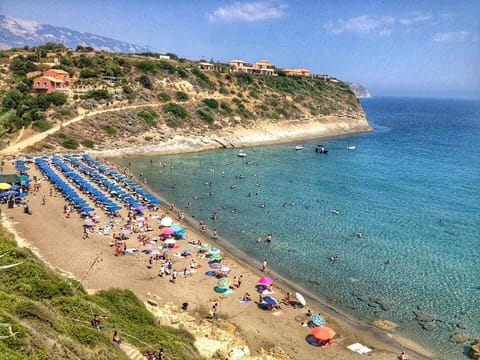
{"x":359,"y":90}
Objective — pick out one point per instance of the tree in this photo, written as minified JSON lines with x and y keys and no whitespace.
{"x":146,"y":82}
{"x":11,"y":99}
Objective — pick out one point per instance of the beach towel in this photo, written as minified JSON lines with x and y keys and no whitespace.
{"x":245,"y":301}
{"x":131,"y":251}
{"x":359,"y":348}
{"x":278,"y":314}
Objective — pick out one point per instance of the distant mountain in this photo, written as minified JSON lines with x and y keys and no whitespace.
{"x":359,"y":90}
{"x":16,"y":33}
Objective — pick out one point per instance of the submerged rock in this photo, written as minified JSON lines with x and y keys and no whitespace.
{"x":460,"y":338}
{"x":385,"y":325}
{"x":475,"y":350}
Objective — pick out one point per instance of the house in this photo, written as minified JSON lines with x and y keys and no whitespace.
{"x":263,"y":67}
{"x":206,"y":66}
{"x":296,"y":72}
{"x":52,"y":80}
{"x":58,"y":74}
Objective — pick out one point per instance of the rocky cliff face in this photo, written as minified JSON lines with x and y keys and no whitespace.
{"x":359,"y":90}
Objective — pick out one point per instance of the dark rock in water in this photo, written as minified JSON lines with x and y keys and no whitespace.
{"x":384,"y":304}
{"x":429,"y":326}
{"x":420,"y":307}
{"x":372,"y":304}
{"x":460,"y":338}
{"x":461,"y":325}
{"x":422,"y":316}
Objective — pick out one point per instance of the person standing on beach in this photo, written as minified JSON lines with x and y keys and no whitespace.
{"x":174,"y":276}
{"x":264,"y":266}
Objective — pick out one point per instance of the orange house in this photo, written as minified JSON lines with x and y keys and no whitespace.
{"x":296,"y":72}
{"x":51,"y":80}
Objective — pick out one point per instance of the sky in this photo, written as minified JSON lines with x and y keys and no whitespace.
{"x":422,"y":48}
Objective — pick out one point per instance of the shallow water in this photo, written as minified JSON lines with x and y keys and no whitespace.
{"x":419,"y":166}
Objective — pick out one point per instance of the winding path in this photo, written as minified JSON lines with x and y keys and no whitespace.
{"x":17,"y":147}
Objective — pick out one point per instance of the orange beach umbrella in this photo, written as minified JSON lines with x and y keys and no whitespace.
{"x":323,"y":333}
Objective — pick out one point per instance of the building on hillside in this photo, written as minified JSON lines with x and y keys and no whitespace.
{"x":296,"y":72}
{"x":164,"y":57}
{"x":263,"y":67}
{"x":52,"y":80}
{"x":58,"y":74}
{"x":206,"y":66}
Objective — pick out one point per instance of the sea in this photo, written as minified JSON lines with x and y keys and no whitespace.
{"x":411,"y":188}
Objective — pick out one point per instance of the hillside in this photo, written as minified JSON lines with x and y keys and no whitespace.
{"x":179,"y":98}
{"x":15,"y":33}
{"x":46,"y":316}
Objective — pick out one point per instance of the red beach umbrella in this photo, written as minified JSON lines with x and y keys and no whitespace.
{"x":168,"y":231}
{"x":323,"y":333}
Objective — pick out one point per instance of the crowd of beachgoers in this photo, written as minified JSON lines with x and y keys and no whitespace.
{"x":133,"y":222}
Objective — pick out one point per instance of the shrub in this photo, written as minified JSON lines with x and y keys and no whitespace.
{"x":211,"y":103}
{"x":181,"y":96}
{"x":146,"y":82}
{"x":69,"y":144}
{"x":41,"y":125}
{"x":164,"y":97}
{"x":110,"y":130}
{"x":88,"y":73}
{"x":224,"y":106}
{"x":148,"y":66}
{"x":88,"y":143}
{"x":98,"y":95}
{"x":149,"y":116}
{"x":206,"y":115}
{"x":175,"y":110}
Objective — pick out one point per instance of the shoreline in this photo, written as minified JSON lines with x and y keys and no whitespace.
{"x":373,"y":336}
{"x":379,"y":340}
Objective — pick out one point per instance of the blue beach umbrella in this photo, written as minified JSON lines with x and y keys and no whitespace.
{"x":318,"y":320}
{"x":270,"y":300}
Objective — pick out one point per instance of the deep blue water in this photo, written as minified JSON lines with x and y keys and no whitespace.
{"x":420,"y":165}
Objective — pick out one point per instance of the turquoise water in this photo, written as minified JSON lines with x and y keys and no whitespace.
{"x":419,"y":166}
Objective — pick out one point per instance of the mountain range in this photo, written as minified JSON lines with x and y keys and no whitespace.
{"x":17,"y":33}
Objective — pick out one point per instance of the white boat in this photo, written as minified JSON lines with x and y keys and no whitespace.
{"x":299,"y":147}
{"x":242,"y":154}
{"x":351,"y":148}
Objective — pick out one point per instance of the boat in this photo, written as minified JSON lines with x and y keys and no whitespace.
{"x":299,"y":147}
{"x":351,"y":148}
{"x":321,"y":149}
{"x":242,"y":154}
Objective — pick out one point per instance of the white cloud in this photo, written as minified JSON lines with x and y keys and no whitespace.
{"x":251,"y":11}
{"x":370,"y":24}
{"x":415,"y":19}
{"x":365,"y":24}
{"x":453,"y":36}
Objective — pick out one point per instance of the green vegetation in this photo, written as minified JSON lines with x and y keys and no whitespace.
{"x":110,"y":130}
{"x":88,"y":143}
{"x":211,"y":103}
{"x":181,"y":96}
{"x":50,"y":316}
{"x":70,"y":143}
{"x":164,"y":97}
{"x":175,"y":110}
{"x":206,"y":115}
{"x":98,"y":95}
{"x":149,"y":116}
{"x":41,"y":125}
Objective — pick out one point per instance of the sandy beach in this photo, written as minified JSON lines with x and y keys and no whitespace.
{"x":59,"y":242}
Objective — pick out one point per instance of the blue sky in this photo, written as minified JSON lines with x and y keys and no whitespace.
{"x":404,"y":47}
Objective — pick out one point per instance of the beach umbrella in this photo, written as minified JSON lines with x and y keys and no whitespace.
{"x":22,"y":195}
{"x":215,"y":265}
{"x":323,"y":333}
{"x":87,"y":209}
{"x":214,"y":251}
{"x":223,"y":283}
{"x":166,"y":221}
{"x":265,"y":281}
{"x":8,"y":193}
{"x":88,"y":223}
{"x":300,"y":298}
{"x":225,"y":269}
{"x":205,"y":246}
{"x":5,"y":186}
{"x":168,"y":231}
{"x":270,"y":300}
{"x":163,"y":250}
{"x":216,"y":257}
{"x":318,"y":320}
{"x":170,"y":241}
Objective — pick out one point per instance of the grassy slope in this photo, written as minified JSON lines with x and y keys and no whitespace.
{"x":52,"y":316}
